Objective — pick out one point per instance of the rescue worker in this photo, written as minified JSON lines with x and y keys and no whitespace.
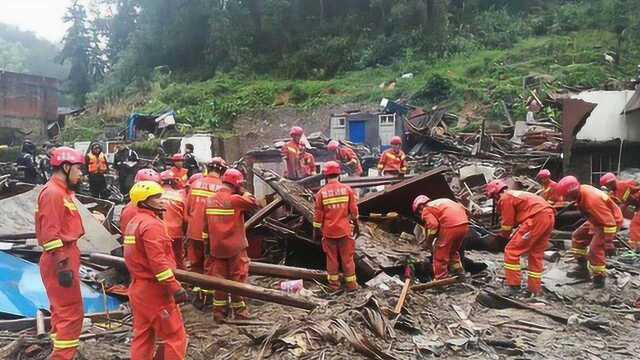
{"x":44,"y":162}
{"x":600,"y":211}
{"x":125,"y":161}
{"x":346,"y":157}
{"x":228,"y":240}
{"x":393,"y":161}
{"x":445,"y":221}
{"x":534,"y":219}
{"x":129,"y":211}
{"x":625,"y":193}
{"x":178,"y":170}
{"x":97,"y":167}
{"x":154,"y":293}
{"x":26,"y":161}
{"x":58,"y":227}
{"x":307,"y":162}
{"x":174,"y":215}
{"x":336,"y":208}
{"x":196,"y":206}
{"x":549,"y":187}
{"x":291,"y":155}
{"x":190,"y":161}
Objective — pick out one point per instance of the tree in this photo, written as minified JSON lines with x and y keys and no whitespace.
{"x":77,"y":44}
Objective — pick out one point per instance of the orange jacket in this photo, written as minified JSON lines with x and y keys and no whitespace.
{"x":57,"y":218}
{"x":127,"y":213}
{"x":349,"y":158}
{"x":390,"y":161}
{"x":336,"y":205}
{"x":291,"y":155}
{"x":182,"y":175}
{"x":225,"y":222}
{"x":196,"y":205}
{"x":174,"y":212}
{"x":443,"y":213}
{"x":625,"y":191}
{"x":147,"y":250}
{"x":308,"y":164}
{"x":97,"y":164}
{"x":599,"y":209}
{"x":516,"y":207}
{"x":550,"y":194}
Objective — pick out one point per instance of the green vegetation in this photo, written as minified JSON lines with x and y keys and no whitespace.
{"x":271,"y":53}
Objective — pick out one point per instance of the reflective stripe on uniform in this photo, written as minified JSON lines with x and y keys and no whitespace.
{"x":432,"y":232}
{"x":317,"y":225}
{"x":578,"y":251}
{"x":333,"y":277}
{"x":292,"y":149}
{"x":202,"y":193}
{"x":65,"y":344}
{"x":221,"y":212}
{"x":626,"y":195}
{"x":351,"y":278}
{"x":506,"y":228}
{"x":597,"y":269}
{"x":70,"y":205}
{"x":238,"y":304}
{"x":513,"y":267}
{"x":610,"y":229}
{"x":219,"y":303}
{"x":52,"y":245}
{"x":335,"y":200}
{"x":205,"y":235}
{"x":164,"y":275}
{"x":535,"y":275}
{"x":129,"y":240}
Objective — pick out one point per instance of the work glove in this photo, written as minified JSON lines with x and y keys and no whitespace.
{"x":181,"y":296}
{"x":65,"y":275}
{"x":317,"y":235}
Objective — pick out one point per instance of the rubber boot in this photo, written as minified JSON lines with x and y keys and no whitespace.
{"x":598,"y":282}
{"x":581,"y":271}
{"x":511,"y":292}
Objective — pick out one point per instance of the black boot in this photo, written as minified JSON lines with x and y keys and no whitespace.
{"x":598,"y":282}
{"x":511,"y":292}
{"x":581,"y":271}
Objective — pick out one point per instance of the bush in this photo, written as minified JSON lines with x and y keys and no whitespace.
{"x":435,"y":90}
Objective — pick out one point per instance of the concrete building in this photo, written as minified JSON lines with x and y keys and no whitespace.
{"x":28,"y":104}
{"x":601,"y":131}
{"x":373,"y":129}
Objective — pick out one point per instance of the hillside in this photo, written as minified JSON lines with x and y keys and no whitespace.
{"x":472,"y":84}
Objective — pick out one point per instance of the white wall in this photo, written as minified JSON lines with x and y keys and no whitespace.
{"x":201,"y":146}
{"x":605,"y":122}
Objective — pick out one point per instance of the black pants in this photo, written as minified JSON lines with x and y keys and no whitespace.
{"x":125,"y":180}
{"x":97,"y":185}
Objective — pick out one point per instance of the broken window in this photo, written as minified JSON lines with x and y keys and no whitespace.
{"x":602,"y":162}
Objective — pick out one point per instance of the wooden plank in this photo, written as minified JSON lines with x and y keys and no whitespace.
{"x":263,"y":213}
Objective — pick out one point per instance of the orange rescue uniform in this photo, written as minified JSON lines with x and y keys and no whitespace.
{"x":228,"y":242}
{"x":447,"y":220}
{"x":181,"y":175}
{"x":392,"y":162}
{"x":174,"y":219}
{"x":96,"y":164}
{"x":348,"y":157}
{"x":535,"y":219}
{"x":336,"y":205}
{"x":291,"y":156}
{"x":550,"y":193}
{"x":628,"y":192}
{"x":308,"y":164}
{"x":127,"y":213}
{"x":149,"y":259}
{"x":201,"y":190}
{"x":602,"y":214}
{"x":58,"y":227}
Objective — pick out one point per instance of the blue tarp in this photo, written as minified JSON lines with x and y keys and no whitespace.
{"x":22,"y":292}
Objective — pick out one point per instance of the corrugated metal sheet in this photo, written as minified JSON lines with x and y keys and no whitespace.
{"x":22,"y":292}
{"x":606,"y":122}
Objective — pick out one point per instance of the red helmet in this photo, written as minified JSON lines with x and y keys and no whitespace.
{"x":567,"y":184}
{"x":194,"y":178}
{"x":147,"y":175}
{"x":419,"y":200}
{"x":396,"y":140}
{"x":543,"y":174}
{"x":233,"y":177}
{"x":607,"y":178}
{"x":177,"y":157}
{"x":332,"y":145}
{"x":168,"y":175}
{"x":331,"y":168}
{"x":296,"y":131}
{"x":67,"y":155}
{"x":494,"y":188}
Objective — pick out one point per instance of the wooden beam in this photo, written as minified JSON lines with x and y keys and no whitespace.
{"x":435,"y":283}
{"x":263,"y":213}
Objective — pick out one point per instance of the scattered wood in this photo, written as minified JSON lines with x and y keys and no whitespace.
{"x":517,"y":304}
{"x":435,"y":283}
{"x":523,"y":328}
{"x":10,"y":351}
{"x":263,"y":213}
{"x":403,"y":296}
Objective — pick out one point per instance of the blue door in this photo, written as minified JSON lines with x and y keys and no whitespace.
{"x":356,"y":131}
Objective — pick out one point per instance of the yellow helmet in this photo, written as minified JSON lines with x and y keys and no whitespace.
{"x":143,"y":190}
